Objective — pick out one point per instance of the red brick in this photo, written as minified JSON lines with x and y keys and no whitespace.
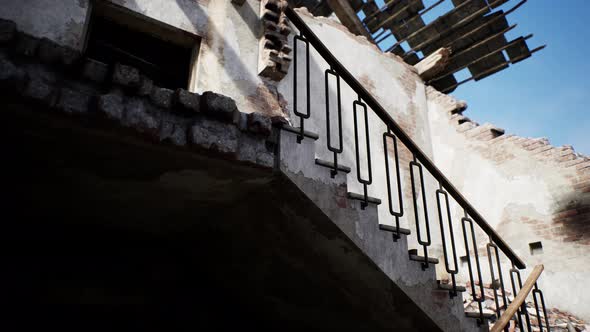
{"x":574,"y":162}
{"x":564,"y":214}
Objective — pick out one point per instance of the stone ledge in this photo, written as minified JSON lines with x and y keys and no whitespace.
{"x":54,"y":77}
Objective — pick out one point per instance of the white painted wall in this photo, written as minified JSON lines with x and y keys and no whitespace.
{"x":508,"y":185}
{"x":64,"y":24}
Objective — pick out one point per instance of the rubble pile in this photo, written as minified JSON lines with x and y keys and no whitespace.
{"x":559,"y":321}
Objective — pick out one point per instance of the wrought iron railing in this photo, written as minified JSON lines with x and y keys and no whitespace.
{"x":393,"y":136}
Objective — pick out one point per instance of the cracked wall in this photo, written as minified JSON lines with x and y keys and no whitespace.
{"x":528,"y":190}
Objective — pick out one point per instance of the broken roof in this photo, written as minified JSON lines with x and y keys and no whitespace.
{"x":473,"y":30}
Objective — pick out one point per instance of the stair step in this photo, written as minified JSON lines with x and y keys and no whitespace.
{"x":296,"y":130}
{"x":393,"y":229}
{"x":475,"y":314}
{"x":359,"y":197}
{"x":414,"y":257}
{"x":449,"y":287}
{"x":328,"y":164}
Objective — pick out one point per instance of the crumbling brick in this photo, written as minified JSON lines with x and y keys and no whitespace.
{"x":274,"y":59}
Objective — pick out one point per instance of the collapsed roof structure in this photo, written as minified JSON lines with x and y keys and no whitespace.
{"x":473,"y":32}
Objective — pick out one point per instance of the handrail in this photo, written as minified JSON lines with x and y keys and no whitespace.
{"x":519,"y":299}
{"x":401,"y":135}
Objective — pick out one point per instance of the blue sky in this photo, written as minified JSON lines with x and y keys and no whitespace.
{"x":546,"y":95}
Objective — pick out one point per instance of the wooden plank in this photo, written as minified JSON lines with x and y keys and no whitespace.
{"x":519,"y":300}
{"x":348,"y":17}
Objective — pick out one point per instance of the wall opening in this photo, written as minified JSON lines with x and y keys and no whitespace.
{"x":464,"y":261}
{"x":536,"y":248}
{"x":163,"y":53}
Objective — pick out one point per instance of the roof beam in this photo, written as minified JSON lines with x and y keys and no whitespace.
{"x":348,"y":17}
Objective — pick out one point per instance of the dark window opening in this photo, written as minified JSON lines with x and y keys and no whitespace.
{"x":167,"y":64}
{"x":536,"y":248}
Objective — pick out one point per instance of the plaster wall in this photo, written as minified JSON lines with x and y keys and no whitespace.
{"x":64,"y":24}
{"x":528,"y":191}
{"x":398,"y":89}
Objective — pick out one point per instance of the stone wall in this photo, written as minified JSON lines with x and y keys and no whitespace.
{"x":528,"y":190}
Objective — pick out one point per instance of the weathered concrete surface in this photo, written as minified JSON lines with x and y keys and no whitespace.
{"x":188,"y":15}
{"x":65,"y":23}
{"x":361,"y":226}
{"x":395,"y":85}
{"x":114,"y":231}
{"x":528,"y":191}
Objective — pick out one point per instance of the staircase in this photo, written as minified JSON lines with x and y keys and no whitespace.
{"x":327,"y":182}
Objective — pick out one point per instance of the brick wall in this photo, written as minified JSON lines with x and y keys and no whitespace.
{"x":526,"y":188}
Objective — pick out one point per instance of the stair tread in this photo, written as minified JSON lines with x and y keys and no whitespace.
{"x":329,"y":164}
{"x":390,"y":228}
{"x":359,"y":197}
{"x":297,"y":130}
{"x":449,"y":287}
{"x":475,"y":314}
{"x":415,"y":257}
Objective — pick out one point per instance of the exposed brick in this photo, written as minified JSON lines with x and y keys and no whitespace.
{"x":465,"y":127}
{"x":574,"y":162}
{"x":565,"y":214}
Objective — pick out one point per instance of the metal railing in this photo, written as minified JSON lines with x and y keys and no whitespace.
{"x":393,"y":136}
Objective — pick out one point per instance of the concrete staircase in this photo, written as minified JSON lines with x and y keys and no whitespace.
{"x":378,"y":241}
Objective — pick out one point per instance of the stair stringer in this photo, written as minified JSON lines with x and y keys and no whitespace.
{"x":297,"y":162}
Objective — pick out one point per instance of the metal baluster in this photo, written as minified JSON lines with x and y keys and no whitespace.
{"x":338,"y":150}
{"x":522,"y":310}
{"x":536,"y":292}
{"x":364,"y":182}
{"x":453,"y":271}
{"x":306,"y":115}
{"x":499,"y":308}
{"x":500,"y":279}
{"x":426,"y":243}
{"x":481,"y":298}
{"x":400,"y":213}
